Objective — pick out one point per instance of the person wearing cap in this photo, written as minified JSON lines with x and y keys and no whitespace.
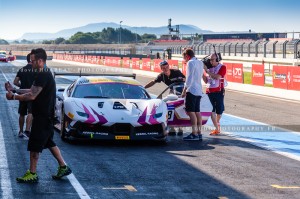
{"x":168,"y":76}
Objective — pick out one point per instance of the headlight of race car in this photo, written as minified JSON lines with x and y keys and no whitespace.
{"x":82,"y":114}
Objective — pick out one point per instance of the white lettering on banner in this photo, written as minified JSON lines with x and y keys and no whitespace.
{"x":237,"y":72}
{"x":257,"y":74}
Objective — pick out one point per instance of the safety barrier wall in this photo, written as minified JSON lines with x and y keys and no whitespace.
{"x":284,"y":77}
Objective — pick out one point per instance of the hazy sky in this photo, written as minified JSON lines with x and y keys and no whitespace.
{"x":22,"y":16}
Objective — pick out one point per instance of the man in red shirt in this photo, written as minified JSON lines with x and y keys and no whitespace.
{"x":215,"y":79}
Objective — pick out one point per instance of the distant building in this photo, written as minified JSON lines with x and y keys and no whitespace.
{"x":242,"y":36}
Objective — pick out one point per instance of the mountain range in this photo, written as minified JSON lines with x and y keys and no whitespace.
{"x":96,"y":27}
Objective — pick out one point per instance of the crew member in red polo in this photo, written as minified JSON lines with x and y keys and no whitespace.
{"x":215,"y":79}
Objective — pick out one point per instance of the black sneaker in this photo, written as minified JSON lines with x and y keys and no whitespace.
{"x":27,"y":133}
{"x":180,"y":132}
{"x":200,"y":137}
{"x":191,"y":137}
{"x":172,"y":133}
{"x":25,"y":137}
{"x":20,"y":135}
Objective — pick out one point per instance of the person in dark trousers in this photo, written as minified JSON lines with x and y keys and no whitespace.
{"x":215,"y":79}
{"x":193,"y":92}
{"x":42,"y":93}
{"x":24,"y":80}
{"x":169,"y":76}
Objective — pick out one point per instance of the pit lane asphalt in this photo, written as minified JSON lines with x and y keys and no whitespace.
{"x":216,"y":167}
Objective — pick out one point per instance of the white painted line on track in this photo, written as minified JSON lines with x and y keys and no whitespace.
{"x":4,"y":75}
{"x":5,"y":177}
{"x":4,"y":171}
{"x":261,"y":123}
{"x":77,"y":186}
{"x":264,"y":96}
{"x":263,"y":145}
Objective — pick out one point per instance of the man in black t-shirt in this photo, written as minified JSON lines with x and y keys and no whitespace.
{"x":42,"y":93}
{"x":169,"y":76}
{"x":24,"y":80}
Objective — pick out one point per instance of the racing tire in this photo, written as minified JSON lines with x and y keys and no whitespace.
{"x":62,"y":133}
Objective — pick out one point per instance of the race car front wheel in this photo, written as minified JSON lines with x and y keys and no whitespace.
{"x":63,"y":126}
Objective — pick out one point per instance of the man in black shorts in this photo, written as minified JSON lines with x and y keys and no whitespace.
{"x":42,"y":93}
{"x":169,"y":76}
{"x":193,"y":92}
{"x":24,"y":80}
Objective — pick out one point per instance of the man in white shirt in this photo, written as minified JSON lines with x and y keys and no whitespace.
{"x":192,"y":92}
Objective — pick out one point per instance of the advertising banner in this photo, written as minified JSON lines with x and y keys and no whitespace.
{"x":228,"y":75}
{"x":173,"y":64}
{"x":237,"y":73}
{"x":280,"y":76}
{"x":126,"y":62}
{"x":156,"y":66}
{"x":146,"y":64}
{"x":135,"y":63}
{"x":258,"y":76}
{"x":293,"y":78}
{"x":184,"y":67}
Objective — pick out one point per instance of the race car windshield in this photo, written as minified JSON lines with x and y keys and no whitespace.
{"x":110,"y":90}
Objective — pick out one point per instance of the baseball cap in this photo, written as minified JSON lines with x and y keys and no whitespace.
{"x":163,"y":63}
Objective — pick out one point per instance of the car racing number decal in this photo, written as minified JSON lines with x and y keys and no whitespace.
{"x":171,"y":115}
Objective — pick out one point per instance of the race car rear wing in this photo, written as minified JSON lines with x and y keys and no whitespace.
{"x":133,"y":75}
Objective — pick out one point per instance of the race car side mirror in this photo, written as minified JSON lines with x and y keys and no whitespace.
{"x":170,"y":97}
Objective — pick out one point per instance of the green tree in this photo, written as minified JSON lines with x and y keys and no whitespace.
{"x":47,"y":41}
{"x":129,"y":37}
{"x":109,"y":35}
{"x":148,"y":37}
{"x":59,"y":40}
{"x":82,"y":38}
{"x":24,"y":41}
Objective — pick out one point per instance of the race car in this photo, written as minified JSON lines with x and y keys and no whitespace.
{"x":6,"y":58}
{"x":110,"y":107}
{"x":3,"y":58}
{"x":177,"y":116}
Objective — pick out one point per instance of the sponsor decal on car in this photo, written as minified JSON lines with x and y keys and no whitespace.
{"x":95,"y":133}
{"x":122,"y":137}
{"x":146,"y":133}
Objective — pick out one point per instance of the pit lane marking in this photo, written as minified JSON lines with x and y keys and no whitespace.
{"x":126,"y":187}
{"x":4,"y":170}
{"x":285,"y":187}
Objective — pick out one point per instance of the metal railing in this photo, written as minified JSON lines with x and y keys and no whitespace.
{"x":268,"y":49}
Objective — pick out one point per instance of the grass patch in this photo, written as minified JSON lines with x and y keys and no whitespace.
{"x":268,"y":85}
{"x":247,"y":77}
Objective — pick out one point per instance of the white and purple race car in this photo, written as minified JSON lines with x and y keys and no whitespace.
{"x":117,"y":107}
{"x":110,"y":108}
